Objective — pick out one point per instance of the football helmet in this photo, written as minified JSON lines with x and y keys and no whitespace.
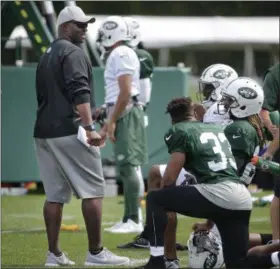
{"x":212,"y":82}
{"x":112,"y":30}
{"x":205,"y":250}
{"x":243,"y":97}
{"x":134,"y":30}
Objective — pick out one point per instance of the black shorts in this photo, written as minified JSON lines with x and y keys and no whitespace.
{"x":277,"y":178}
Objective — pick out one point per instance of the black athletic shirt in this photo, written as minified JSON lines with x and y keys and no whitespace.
{"x":63,"y":73}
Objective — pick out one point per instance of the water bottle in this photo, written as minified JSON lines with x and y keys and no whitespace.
{"x":266,"y":165}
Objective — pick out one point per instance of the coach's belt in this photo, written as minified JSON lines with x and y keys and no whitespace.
{"x":111,"y":106}
{"x":134,"y":100}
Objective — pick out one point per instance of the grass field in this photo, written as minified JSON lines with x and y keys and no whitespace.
{"x":24,"y":240}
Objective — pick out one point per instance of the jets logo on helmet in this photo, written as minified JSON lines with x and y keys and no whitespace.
{"x":222,"y":74}
{"x":243,"y":97}
{"x":210,"y":261}
{"x":110,"y":25}
{"x":212,"y":82}
{"x":247,"y":93}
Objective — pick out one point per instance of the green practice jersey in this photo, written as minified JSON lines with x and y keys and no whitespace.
{"x":271,"y":89}
{"x":208,"y":153}
{"x":146,"y":63}
{"x":275,"y":118}
{"x":244,"y":140}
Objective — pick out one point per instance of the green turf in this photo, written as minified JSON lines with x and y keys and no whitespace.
{"x":28,"y":248}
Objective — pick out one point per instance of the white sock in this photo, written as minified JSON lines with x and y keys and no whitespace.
{"x":274,"y":258}
{"x":157,"y":251}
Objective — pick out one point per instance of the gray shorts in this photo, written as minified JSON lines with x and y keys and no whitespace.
{"x":66,"y":165}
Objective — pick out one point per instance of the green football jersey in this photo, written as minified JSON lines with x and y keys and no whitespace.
{"x":275,"y":117}
{"x":271,"y":89}
{"x":146,"y":63}
{"x":243,"y":139}
{"x":208,"y":153}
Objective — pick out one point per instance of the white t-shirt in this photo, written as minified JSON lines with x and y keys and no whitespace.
{"x":212,"y":116}
{"x":122,"y":61}
{"x":181,"y":178}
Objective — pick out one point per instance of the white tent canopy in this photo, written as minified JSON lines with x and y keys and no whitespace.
{"x":170,"y":32}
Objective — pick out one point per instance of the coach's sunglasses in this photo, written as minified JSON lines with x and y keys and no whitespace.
{"x":80,"y":25}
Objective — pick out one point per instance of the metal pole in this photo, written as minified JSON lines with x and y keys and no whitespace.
{"x":50,"y":15}
{"x":249,"y":61}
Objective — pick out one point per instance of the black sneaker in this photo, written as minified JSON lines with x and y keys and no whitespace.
{"x":138,"y":242}
{"x":181,"y":247}
{"x":154,"y":263}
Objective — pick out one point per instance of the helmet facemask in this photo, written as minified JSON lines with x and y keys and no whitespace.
{"x":207,"y":91}
{"x":227,"y":102}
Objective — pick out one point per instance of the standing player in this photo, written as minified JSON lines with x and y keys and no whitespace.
{"x":272,"y":103}
{"x":146,"y":73}
{"x":125,"y":116}
{"x":203,"y":150}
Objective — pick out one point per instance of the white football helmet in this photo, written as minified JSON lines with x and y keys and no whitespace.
{"x":112,"y":30}
{"x":212,"y":82}
{"x":205,"y":251}
{"x":134,"y":30}
{"x":243,"y":97}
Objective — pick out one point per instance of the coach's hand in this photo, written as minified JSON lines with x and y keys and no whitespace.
{"x":93,"y":138}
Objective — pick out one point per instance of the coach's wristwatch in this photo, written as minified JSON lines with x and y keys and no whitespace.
{"x":89,"y":127}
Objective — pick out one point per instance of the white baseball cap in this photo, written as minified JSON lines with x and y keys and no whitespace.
{"x":73,"y":13}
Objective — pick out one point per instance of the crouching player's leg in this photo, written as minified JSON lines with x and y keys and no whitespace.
{"x":141,"y":240}
{"x":265,"y":256}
